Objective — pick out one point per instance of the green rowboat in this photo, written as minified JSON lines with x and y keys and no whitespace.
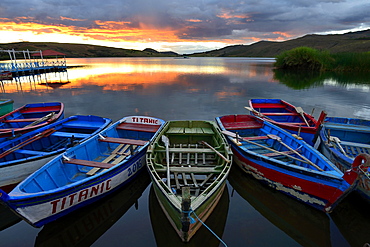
{"x":188,"y":162}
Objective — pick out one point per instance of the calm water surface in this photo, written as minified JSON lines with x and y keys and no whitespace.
{"x":249,"y":214}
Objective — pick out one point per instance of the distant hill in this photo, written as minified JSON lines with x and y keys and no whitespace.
{"x":335,"y":43}
{"x":81,"y":50}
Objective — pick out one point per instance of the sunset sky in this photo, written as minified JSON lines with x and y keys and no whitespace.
{"x":176,"y":25}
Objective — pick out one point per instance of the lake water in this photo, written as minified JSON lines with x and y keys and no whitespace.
{"x":249,"y":214}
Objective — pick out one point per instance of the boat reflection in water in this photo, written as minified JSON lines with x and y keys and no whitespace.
{"x":84,"y":226}
{"x":7,"y":218}
{"x":306,"y":225}
{"x":352,"y":217}
{"x":165,"y":235}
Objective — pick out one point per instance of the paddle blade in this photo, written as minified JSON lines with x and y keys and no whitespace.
{"x":165,"y":140}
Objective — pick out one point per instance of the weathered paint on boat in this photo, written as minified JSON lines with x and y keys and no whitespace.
{"x":311,"y":179}
{"x":6,"y":106}
{"x":22,"y":156}
{"x":84,"y":173}
{"x":349,"y":137}
{"x":286,"y":116}
{"x":189,"y":158}
{"x":29,"y":117}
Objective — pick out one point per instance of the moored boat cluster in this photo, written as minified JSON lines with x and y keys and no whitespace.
{"x":51,"y":166}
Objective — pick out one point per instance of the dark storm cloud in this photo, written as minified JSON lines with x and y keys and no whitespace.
{"x":200,"y":19}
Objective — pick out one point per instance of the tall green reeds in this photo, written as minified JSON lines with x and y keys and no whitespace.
{"x":305,"y":58}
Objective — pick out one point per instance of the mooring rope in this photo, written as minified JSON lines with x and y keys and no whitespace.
{"x":193,"y":221}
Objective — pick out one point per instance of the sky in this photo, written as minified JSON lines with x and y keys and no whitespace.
{"x":182,"y":26}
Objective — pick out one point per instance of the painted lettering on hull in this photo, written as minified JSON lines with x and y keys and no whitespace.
{"x":80,"y":196}
{"x":145,"y":120}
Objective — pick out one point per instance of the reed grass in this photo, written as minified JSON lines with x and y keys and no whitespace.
{"x":305,"y":58}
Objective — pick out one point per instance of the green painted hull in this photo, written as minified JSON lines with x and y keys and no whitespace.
{"x":6,"y":106}
{"x":198,"y":158}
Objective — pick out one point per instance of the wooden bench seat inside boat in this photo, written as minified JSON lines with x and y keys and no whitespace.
{"x":89,"y":163}
{"x":138,"y":127}
{"x":187,"y":131}
{"x":123,"y":141}
{"x":69,"y":135}
{"x":193,"y":169}
{"x":280,"y":114}
{"x":242,"y":125}
{"x":189,"y":150}
{"x":55,"y":108}
{"x":277,"y":154}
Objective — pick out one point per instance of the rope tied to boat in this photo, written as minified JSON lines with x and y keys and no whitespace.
{"x":192,"y":221}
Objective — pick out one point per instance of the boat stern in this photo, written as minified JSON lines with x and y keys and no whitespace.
{"x":361,"y":163}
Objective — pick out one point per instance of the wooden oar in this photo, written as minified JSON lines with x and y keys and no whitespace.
{"x":166,"y":142}
{"x":277,"y":138}
{"x":301,"y":112}
{"x":45,"y":118}
{"x":45,"y":133}
{"x":232,"y":134}
{"x":337,"y":141}
{"x":257,"y":112}
{"x":217,"y":152}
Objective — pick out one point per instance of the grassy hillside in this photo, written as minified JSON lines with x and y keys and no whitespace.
{"x":349,"y":42}
{"x":81,"y":50}
{"x":336,"y":43}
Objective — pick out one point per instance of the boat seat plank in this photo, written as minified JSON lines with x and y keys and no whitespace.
{"x":175,"y":130}
{"x":195,"y":170}
{"x":277,"y":154}
{"x":251,"y":138}
{"x":69,"y":135}
{"x":138,"y":127}
{"x":88,"y":163}
{"x":355,"y":144}
{"x":189,"y":150}
{"x":281,"y":114}
{"x":124,"y":141}
{"x":41,"y":109}
{"x":242,"y":125}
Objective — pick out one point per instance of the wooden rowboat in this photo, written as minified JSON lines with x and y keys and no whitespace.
{"x":287,"y":164}
{"x":84,"y":173}
{"x":287,"y":116}
{"x":6,"y":106}
{"x":188,"y":162}
{"x":30,"y":117}
{"x":342,"y":140}
{"x":22,"y":156}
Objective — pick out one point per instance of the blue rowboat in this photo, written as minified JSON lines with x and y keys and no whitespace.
{"x":287,"y":116}
{"x":6,"y":106}
{"x":342,"y":140}
{"x":287,"y":164}
{"x":84,"y":173}
{"x":29,"y":117}
{"x":22,"y":156}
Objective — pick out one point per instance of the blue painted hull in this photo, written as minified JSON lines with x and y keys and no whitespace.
{"x":354,"y":139}
{"x":319,"y":184}
{"x":22,"y":156}
{"x":84,"y":173}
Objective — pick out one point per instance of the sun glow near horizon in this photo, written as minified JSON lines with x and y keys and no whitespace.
{"x":105,"y":34}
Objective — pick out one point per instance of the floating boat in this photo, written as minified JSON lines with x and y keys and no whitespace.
{"x":6,"y":106}
{"x":164,"y":232}
{"x":85,"y":226}
{"x":189,"y":162}
{"x":287,"y":116}
{"x":22,"y":156}
{"x":342,"y":140}
{"x":30,"y":117}
{"x":286,"y":163}
{"x":84,"y":173}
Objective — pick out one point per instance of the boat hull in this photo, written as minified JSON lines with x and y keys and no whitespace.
{"x":84,"y":173}
{"x":321,"y":184}
{"x":356,"y":136}
{"x":6,"y":106}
